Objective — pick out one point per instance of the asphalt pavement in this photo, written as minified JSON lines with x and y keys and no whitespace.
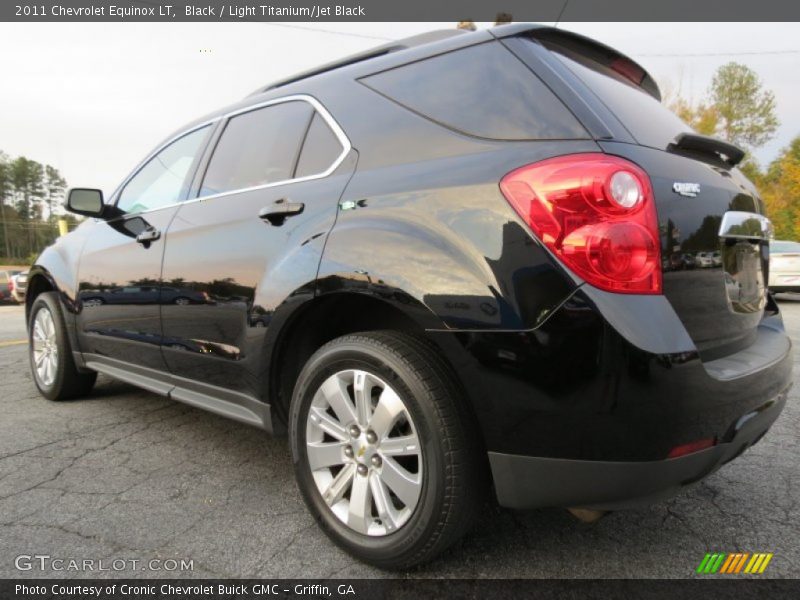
{"x":127,"y":476}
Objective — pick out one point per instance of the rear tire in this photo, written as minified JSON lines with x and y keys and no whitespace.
{"x":52,"y":366}
{"x":439,"y":452}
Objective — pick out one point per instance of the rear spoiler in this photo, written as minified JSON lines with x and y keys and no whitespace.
{"x":694,"y":143}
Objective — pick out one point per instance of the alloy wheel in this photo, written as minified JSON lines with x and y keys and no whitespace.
{"x":364,"y":452}
{"x":45,"y":347}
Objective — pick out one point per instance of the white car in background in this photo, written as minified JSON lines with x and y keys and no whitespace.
{"x":704,"y":259}
{"x":19,"y":286}
{"x":784,"y":266}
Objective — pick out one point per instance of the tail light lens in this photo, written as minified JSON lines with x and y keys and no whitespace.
{"x":597,"y":214}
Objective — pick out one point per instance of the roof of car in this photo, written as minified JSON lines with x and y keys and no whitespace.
{"x":433,"y":41}
{"x":382,"y":50}
{"x":396,"y":53}
{"x":436,"y":41}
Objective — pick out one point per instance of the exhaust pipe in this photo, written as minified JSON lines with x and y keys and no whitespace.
{"x":587,"y":515}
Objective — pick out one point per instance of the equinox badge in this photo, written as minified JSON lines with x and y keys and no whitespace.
{"x":690,"y":190}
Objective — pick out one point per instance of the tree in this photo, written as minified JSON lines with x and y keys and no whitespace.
{"x":28,"y":192}
{"x":746,"y":111}
{"x":54,"y":186}
{"x":780,"y":189}
{"x":5,"y":191}
{"x":736,"y":109}
{"x":26,"y":176}
{"x":703,"y":118}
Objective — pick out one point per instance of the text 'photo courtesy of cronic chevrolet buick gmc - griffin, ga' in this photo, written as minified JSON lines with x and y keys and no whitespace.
{"x":448,"y":269}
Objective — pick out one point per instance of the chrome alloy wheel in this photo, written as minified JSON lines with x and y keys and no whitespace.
{"x":364,"y":452}
{"x":45,"y":347}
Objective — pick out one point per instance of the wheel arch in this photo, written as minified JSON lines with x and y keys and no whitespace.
{"x":39,"y":281}
{"x":333,"y":315}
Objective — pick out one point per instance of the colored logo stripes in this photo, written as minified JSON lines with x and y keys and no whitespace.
{"x":733,"y":563}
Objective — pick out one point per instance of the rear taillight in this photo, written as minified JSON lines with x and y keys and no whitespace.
{"x":597,"y":214}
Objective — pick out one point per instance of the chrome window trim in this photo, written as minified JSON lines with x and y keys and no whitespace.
{"x":315,"y":104}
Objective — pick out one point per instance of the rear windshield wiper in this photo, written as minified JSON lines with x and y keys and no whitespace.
{"x":696,"y":144}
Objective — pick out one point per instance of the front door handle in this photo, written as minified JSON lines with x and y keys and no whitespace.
{"x":280,"y":210}
{"x":151,"y":234}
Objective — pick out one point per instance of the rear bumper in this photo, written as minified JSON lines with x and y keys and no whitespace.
{"x":584,"y":410}
{"x":525,"y":482}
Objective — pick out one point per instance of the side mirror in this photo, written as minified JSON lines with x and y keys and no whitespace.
{"x":85,"y":201}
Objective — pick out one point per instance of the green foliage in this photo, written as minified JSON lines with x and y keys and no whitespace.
{"x":703,"y":118}
{"x":737,"y":108}
{"x":30,"y":195}
{"x":746,"y":111}
{"x":780,"y":188}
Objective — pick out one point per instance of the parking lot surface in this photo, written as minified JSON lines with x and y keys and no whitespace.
{"x":127,"y":475}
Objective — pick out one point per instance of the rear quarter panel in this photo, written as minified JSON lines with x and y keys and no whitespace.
{"x":424,"y":223}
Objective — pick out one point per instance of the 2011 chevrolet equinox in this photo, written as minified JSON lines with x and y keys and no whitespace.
{"x":452,"y":263}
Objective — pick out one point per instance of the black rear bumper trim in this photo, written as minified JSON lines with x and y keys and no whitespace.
{"x":527,"y":482}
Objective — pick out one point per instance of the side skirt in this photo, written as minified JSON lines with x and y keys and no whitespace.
{"x":220,"y":401}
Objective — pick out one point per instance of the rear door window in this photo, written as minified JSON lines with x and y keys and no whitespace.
{"x":484,"y":91}
{"x":320,"y":151}
{"x":258,"y":147}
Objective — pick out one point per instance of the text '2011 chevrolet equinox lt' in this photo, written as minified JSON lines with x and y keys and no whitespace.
{"x":452,"y":264}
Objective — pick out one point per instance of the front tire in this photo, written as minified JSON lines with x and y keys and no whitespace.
{"x":385,"y":452}
{"x":52,"y":366}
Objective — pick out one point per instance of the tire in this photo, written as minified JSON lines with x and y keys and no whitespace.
{"x":66,"y":381}
{"x":447,"y":474}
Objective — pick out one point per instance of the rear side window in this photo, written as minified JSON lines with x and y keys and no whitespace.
{"x":320,"y":149}
{"x":257,"y":148}
{"x":484,"y":91}
{"x":648,"y":121}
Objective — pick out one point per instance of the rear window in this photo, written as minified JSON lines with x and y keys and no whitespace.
{"x":778,"y":247}
{"x":646,"y":119}
{"x":484,"y":91}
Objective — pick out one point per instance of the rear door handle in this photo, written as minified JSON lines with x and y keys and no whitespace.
{"x":280,"y":210}
{"x":151,"y":234}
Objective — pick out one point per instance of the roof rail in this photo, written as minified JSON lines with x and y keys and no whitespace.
{"x":403,"y":44}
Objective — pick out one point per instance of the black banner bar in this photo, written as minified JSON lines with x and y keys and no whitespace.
{"x":545,"y":11}
{"x":710,"y":588}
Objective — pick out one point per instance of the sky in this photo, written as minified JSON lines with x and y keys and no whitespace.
{"x":93,"y":99}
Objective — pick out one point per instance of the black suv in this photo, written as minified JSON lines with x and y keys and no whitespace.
{"x":448,"y":265}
